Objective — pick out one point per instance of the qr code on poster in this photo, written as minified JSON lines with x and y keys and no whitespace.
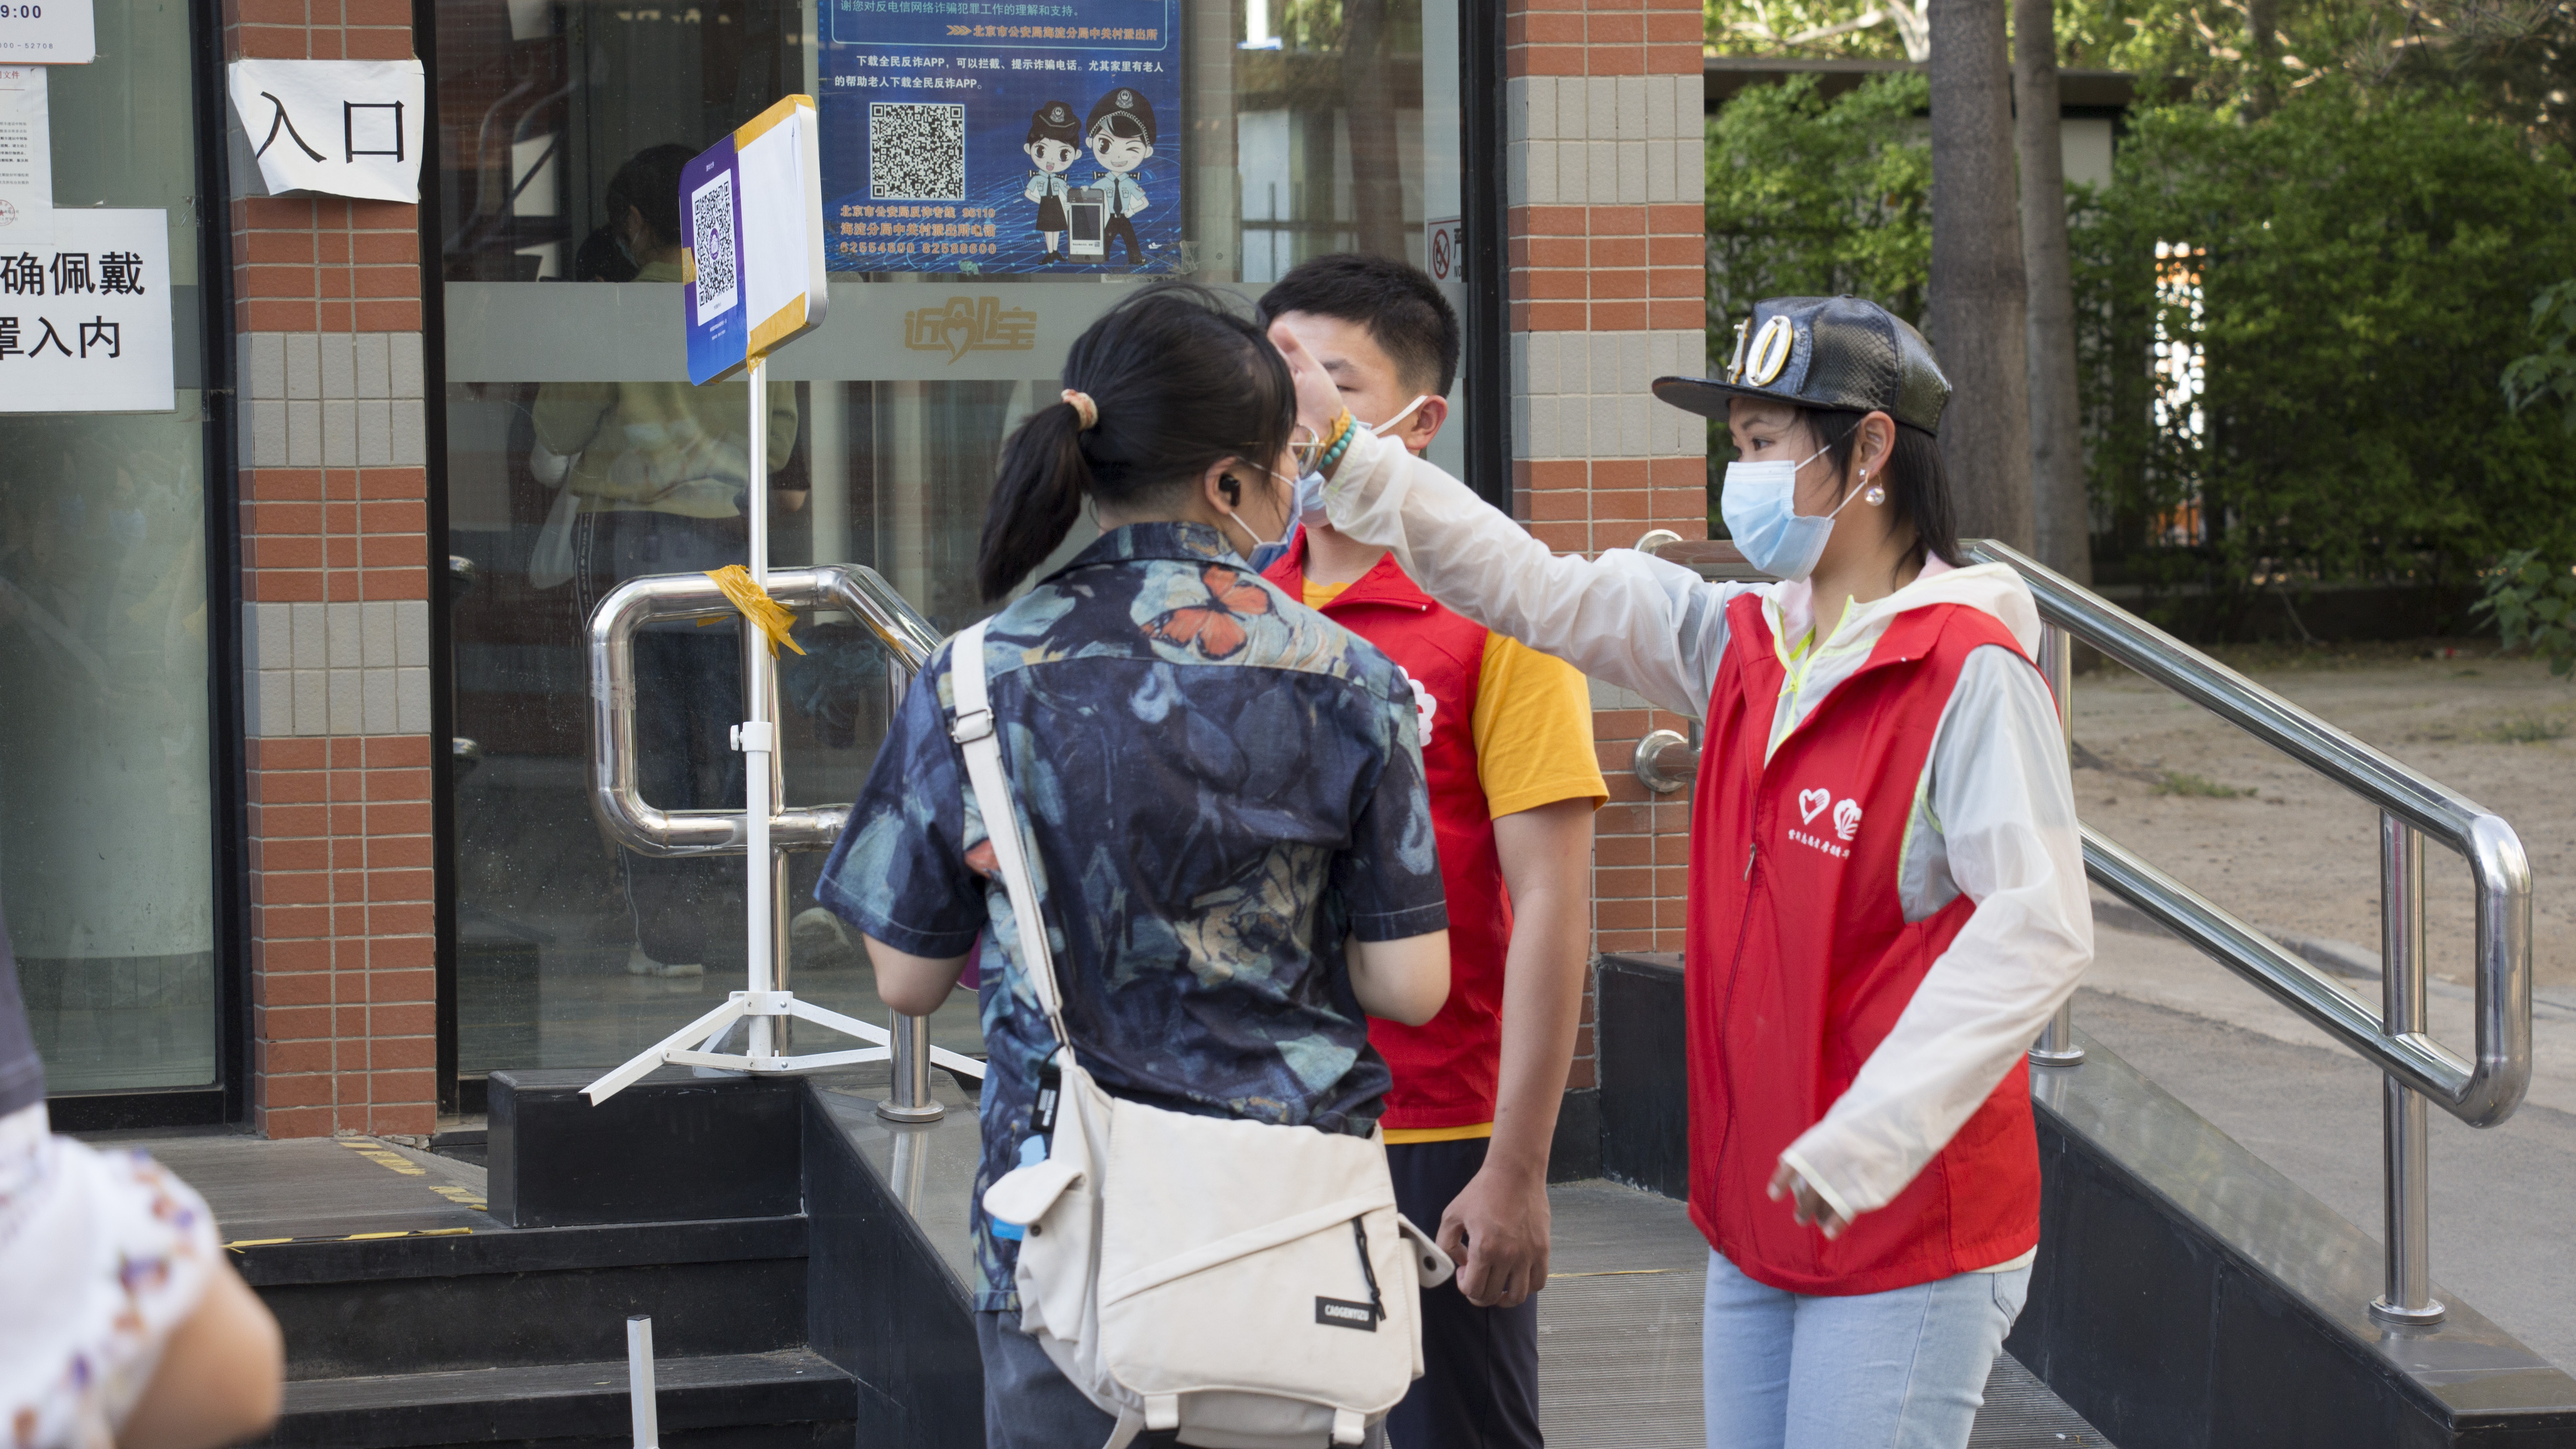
{"x":916,"y":152}
{"x":711,"y":243}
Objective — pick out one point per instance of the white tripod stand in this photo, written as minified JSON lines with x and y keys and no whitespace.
{"x":764,"y":1005}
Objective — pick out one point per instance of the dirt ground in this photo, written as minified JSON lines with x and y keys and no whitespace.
{"x":2295,"y":852}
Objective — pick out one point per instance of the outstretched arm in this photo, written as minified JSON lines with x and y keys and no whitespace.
{"x":1625,"y":618}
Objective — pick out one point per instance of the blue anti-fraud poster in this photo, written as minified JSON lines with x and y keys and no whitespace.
{"x":1002,"y":136}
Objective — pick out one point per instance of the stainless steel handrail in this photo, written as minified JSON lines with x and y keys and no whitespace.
{"x":2412,"y":806}
{"x":618,"y":803}
{"x":615,"y":799}
{"x":2482,"y":1094}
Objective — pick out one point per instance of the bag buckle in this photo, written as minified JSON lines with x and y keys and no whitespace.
{"x":972,"y":726}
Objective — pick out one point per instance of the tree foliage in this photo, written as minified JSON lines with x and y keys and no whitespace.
{"x":2533,"y":602}
{"x":2513,"y":60}
{"x":2365,"y":263}
{"x":2363,"y":273}
{"x":1810,"y":198}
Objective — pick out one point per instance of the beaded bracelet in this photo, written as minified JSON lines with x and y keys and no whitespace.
{"x":1341,"y":444}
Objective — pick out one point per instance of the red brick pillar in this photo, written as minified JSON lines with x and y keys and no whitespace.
{"x":1605,"y":146}
{"x":335,"y":598}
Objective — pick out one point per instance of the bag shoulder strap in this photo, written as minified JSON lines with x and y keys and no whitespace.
{"x":981,"y":743}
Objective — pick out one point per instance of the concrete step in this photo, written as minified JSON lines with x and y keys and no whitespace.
{"x":788,"y":1399}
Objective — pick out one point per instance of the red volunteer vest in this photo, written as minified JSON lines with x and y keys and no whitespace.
{"x":1800,"y":960}
{"x":1445,"y":1069}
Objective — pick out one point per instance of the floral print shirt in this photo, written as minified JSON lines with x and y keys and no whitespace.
{"x":1218,"y":785}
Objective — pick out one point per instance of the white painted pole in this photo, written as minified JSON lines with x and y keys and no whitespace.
{"x":759,"y":732}
{"x":639,"y":1381}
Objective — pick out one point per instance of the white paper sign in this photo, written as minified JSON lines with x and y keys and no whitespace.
{"x":54,"y":32}
{"x":85,"y":319}
{"x":26,"y":158}
{"x":338,"y":127}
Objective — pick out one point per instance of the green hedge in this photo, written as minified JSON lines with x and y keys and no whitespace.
{"x":2366,"y":269}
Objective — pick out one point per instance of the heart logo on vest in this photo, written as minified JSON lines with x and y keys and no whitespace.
{"x":1812,"y":803}
{"x":1425,"y":704}
{"x":1846,"y":819}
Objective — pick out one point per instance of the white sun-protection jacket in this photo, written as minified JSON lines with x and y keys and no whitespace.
{"x":1994,"y":816}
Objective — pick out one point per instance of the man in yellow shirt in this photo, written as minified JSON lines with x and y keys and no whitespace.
{"x":1507,"y":754}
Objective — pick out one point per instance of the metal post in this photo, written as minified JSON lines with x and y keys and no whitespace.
{"x":2406,"y":1184}
{"x":758,"y":737}
{"x":908,"y":1099}
{"x":2057,"y":1046}
{"x":639,"y":1381}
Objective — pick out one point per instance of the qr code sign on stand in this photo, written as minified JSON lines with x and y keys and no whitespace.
{"x":916,"y":152}
{"x":711,"y":241}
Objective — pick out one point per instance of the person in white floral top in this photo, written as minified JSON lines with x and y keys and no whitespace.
{"x":125,"y":1326}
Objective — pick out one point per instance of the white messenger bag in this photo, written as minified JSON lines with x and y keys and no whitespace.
{"x":1249,"y":1285}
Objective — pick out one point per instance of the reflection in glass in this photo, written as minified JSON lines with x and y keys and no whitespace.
{"x":106,"y":760}
{"x":590,"y":461}
{"x":105,"y":844}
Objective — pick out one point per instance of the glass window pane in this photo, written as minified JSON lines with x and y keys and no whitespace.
{"x":106,"y":806}
{"x":1304,"y":126}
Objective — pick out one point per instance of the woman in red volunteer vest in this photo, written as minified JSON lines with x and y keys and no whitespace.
{"x":1887,"y":891}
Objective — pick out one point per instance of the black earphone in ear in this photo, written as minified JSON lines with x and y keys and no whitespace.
{"x":1233,"y":489}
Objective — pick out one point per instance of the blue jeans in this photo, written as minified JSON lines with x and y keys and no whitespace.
{"x":1904,"y":1369}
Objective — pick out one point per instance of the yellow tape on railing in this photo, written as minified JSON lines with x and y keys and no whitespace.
{"x":756,"y":605}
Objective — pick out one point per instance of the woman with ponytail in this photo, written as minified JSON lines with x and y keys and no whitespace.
{"x":1221,"y":791}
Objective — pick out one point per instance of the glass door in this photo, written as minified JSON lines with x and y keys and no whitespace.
{"x":108,"y":745}
{"x":1218,"y":140}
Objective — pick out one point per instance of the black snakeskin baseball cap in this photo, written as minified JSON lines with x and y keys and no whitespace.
{"x":1823,"y":352}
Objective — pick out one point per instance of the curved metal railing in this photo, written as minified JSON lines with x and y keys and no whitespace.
{"x":618,"y":804}
{"x":2482,"y":1091}
{"x":615,"y":799}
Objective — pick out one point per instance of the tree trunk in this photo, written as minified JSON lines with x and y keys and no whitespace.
{"x":1368,"y":110}
{"x":2262,"y":58}
{"x":2064,"y":522}
{"x":1979,"y":302}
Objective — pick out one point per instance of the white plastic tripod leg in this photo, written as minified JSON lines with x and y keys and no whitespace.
{"x":717,"y":1021}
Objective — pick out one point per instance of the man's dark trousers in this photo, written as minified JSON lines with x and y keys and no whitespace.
{"x":1479,"y":1384}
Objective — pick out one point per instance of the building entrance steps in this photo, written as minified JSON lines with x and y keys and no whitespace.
{"x":412,"y":1317}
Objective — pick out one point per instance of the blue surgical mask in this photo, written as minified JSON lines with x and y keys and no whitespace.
{"x":1306,"y":506}
{"x":1265,"y":551}
{"x":1760,"y":505}
{"x":1309,"y":506}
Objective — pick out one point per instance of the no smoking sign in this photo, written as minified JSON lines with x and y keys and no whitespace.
{"x":1446,"y":246}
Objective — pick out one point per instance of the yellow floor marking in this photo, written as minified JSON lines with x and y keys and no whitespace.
{"x":384,"y":1157}
{"x":241,"y":1243}
{"x":408,"y":1233}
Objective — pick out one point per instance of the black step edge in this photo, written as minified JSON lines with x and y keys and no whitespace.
{"x":521,"y":1250}
{"x":882,"y":1302}
{"x":563,"y":1401}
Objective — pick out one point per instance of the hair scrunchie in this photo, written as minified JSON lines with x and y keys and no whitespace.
{"x":1083,"y":408}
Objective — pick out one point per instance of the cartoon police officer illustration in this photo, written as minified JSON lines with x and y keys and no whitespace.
{"x":1054,"y":144}
{"x":1121,"y":128}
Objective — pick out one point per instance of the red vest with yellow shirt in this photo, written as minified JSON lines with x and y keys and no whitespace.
{"x":1446,"y":1068}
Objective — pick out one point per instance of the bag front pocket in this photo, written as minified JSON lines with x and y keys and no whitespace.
{"x":1274,"y":1265}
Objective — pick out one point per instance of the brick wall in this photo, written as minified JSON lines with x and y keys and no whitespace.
{"x":1606,"y":190}
{"x":335,"y":591}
